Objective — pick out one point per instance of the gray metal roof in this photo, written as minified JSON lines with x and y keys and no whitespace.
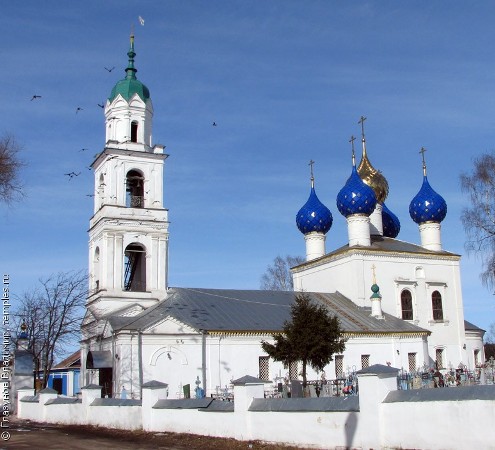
{"x":385,"y":244}
{"x":248,"y":379}
{"x":261,"y":311}
{"x":381,"y":244}
{"x":219,"y":406}
{"x":31,"y":398}
{"x":468,"y":326}
{"x":350,"y":403}
{"x":378,"y":369}
{"x":443,"y":394}
{"x":48,"y":390}
{"x":99,"y":359}
{"x":92,"y":386}
{"x":63,"y":401}
{"x":154,"y":384}
{"x":115,"y":402}
{"x":184,"y":403}
{"x":23,"y":363}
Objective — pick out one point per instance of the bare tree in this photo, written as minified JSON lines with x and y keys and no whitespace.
{"x":10,"y":165}
{"x":277,"y":276}
{"x":53,"y":315}
{"x":479,"y":217}
{"x":490,"y":335}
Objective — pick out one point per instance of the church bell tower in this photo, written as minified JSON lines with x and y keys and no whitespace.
{"x":128,"y":234}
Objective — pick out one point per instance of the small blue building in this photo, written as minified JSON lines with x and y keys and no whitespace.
{"x":64,"y":377}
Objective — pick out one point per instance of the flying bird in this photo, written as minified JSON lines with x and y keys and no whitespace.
{"x":214,"y":124}
{"x":141,"y":20}
{"x":100,"y":105}
{"x":109,"y":70}
{"x":78,"y":109}
{"x":83,"y":150}
{"x":34,"y":97}
{"x":72,"y":175}
{"x":90,"y":195}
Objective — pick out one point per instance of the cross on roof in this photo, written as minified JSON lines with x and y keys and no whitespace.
{"x":351,"y":140}
{"x":311,"y":162}
{"x":422,"y":151}
{"x":361,"y":121}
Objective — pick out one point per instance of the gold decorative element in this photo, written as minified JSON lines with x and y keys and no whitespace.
{"x":371,"y":176}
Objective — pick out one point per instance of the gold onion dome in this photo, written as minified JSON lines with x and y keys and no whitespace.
{"x":371,"y":176}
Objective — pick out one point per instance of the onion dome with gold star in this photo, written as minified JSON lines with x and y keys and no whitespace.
{"x":371,"y":176}
{"x":427,"y":205}
{"x":314,"y":215}
{"x":355,"y":197}
{"x":391,"y":223}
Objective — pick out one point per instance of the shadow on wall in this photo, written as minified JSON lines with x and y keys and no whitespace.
{"x":350,"y":429}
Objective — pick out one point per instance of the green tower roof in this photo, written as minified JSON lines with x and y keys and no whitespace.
{"x":130,"y":85}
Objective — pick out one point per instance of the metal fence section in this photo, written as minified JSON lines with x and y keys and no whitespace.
{"x":434,"y":378}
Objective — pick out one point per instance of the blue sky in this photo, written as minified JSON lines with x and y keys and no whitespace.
{"x":286,"y":82}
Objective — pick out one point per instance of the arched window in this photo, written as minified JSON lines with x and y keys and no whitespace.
{"x":96,"y":268}
{"x":134,"y":131}
{"x":135,"y":268}
{"x":134,"y":189}
{"x":436,"y":303}
{"x":406,"y":305}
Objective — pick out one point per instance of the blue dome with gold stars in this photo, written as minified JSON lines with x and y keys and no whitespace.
{"x":356,"y":197}
{"x":427,"y":205}
{"x":391,"y":223}
{"x":314,"y":216}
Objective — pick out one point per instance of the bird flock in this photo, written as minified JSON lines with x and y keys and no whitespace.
{"x":73,"y":174}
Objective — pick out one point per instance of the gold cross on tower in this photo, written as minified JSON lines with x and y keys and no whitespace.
{"x":361,"y":121}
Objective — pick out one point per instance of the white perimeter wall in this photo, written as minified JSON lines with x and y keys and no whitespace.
{"x":454,"y":425}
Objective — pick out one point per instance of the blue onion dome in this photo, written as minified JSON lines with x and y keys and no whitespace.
{"x":314,"y":215}
{"x":427,"y":206}
{"x":391,"y":224}
{"x":356,"y":197}
{"x":130,"y":85}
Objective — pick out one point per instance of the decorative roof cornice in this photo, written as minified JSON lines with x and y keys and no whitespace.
{"x":368,"y":251}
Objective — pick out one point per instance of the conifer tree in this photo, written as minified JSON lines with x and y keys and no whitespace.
{"x":313,"y":336}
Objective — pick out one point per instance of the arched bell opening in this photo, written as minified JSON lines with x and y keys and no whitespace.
{"x":135,"y":268}
{"x":134,"y":189}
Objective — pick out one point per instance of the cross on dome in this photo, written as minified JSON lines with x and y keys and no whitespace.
{"x":422,"y":151}
{"x":351,"y":140}
{"x":311,"y":162}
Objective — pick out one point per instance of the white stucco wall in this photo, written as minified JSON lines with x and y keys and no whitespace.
{"x":352,"y":275}
{"x":176,"y":359}
{"x":456,"y":425}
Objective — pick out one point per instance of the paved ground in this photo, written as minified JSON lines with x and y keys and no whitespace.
{"x":29,"y":435}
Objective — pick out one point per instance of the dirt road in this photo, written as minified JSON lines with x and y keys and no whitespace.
{"x":29,"y":435}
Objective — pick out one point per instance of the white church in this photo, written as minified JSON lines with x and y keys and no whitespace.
{"x":137,"y":328}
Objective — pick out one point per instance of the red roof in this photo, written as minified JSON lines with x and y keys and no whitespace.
{"x":73,"y":361}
